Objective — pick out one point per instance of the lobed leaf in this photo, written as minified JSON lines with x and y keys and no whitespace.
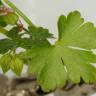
{"x":39,"y":35}
{"x":54,"y":65}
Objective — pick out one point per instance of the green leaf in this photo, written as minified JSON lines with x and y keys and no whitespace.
{"x":11,"y":18}
{"x":61,"y":25}
{"x":5,"y":62}
{"x":16,"y":37}
{"x":0,"y":3}
{"x":45,"y":63}
{"x":3,"y":31}
{"x":39,"y":35}
{"x":14,"y":34}
{"x":6,"y":45}
{"x":2,"y":22}
{"x":16,"y":65}
{"x":26,"y":43}
{"x":54,"y":65}
{"x":13,"y":62}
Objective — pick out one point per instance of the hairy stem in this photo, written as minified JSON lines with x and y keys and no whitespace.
{"x":26,"y":19}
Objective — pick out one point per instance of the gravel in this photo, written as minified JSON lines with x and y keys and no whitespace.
{"x":27,"y":86}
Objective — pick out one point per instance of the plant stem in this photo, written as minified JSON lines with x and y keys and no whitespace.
{"x":26,"y":19}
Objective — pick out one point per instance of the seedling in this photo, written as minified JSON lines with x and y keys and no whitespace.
{"x":70,"y":58}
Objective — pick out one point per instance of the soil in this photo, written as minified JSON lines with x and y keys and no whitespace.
{"x":27,"y":86}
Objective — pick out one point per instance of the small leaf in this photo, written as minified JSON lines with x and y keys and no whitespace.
{"x":26,"y":43}
{"x":16,"y":37}
{"x":5,"y":62}
{"x":11,"y":18}
{"x":16,"y":65}
{"x":2,"y":22}
{"x":13,"y":34}
{"x":39,"y":35}
{"x":6,"y":45}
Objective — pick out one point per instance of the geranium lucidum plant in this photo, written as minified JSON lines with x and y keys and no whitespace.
{"x":70,"y":58}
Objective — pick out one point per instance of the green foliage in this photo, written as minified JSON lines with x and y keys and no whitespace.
{"x":0,"y":3}
{"x":14,"y":34}
{"x":69,"y":58}
{"x":13,"y":62}
{"x":6,"y":45}
{"x":16,"y":65}
{"x":14,"y":40}
{"x":54,"y":65}
{"x":39,"y":35}
{"x":5,"y":62}
{"x":2,"y":22}
{"x":8,"y":19}
{"x":11,"y":18}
